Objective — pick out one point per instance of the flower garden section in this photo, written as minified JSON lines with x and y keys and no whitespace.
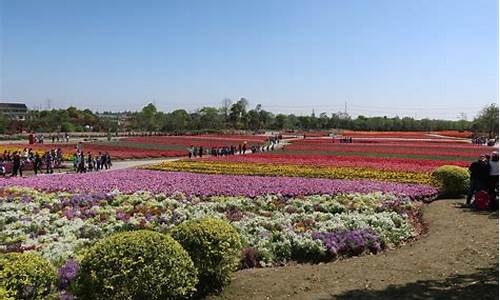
{"x":406,"y":161}
{"x":144,"y":147}
{"x":281,"y":214}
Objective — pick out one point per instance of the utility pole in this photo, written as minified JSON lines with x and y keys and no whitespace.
{"x":345,"y":107}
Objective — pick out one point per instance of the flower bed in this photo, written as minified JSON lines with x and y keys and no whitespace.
{"x":130,"y":181}
{"x":274,"y":229}
{"x":408,"y":134}
{"x":116,"y":152}
{"x":197,"y":140}
{"x":235,"y":168}
{"x":406,"y":143}
{"x":365,"y":149}
{"x":393,"y":164}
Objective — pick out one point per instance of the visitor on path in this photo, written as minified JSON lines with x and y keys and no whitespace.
{"x":37,"y":163}
{"x":59,"y":157}
{"x":190,"y":151}
{"x":493,"y":180}
{"x":98,"y":161}
{"x":90,"y":162}
{"x":48,"y":163}
{"x":16,"y":160}
{"x":81,"y":163}
{"x":74,"y":159}
{"x":200,"y":151}
{"x":104,"y":161}
{"x":108,"y":160}
{"x":479,"y":176}
{"x":3,"y":169}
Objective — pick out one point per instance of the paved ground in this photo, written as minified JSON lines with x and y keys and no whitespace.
{"x":456,"y":259}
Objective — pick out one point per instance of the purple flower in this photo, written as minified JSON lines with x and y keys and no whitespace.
{"x":130,"y":181}
{"x":343,"y":242}
{"x":67,"y":273}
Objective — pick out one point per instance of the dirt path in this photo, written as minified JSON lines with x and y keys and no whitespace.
{"x":456,"y":259}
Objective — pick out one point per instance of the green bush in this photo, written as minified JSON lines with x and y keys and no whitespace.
{"x":214,"y":246}
{"x":136,"y":265}
{"x":26,"y":276}
{"x":453,"y":180}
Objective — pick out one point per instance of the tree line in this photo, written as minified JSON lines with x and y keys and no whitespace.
{"x":233,"y":116}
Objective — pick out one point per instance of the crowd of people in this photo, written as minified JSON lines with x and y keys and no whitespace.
{"x":88,"y":163}
{"x":55,"y":138}
{"x":19,"y":160}
{"x":484,"y":179}
{"x":484,"y":141}
{"x":199,"y":151}
{"x":343,"y":140}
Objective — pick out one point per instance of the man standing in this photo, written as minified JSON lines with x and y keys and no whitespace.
{"x":479,"y":176}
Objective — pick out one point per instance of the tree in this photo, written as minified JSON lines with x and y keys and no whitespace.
{"x":146,"y":119}
{"x":210,"y":118}
{"x":238,"y":113}
{"x":226,"y":105}
{"x":487,"y":121}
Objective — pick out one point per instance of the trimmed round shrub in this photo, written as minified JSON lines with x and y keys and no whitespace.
{"x":26,"y":276}
{"x":136,"y":265}
{"x":215,"y":247}
{"x":453,"y":180}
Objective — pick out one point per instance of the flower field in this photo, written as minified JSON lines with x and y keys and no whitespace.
{"x":196,"y":140}
{"x":393,"y":164}
{"x":314,"y":201}
{"x":409,"y":134}
{"x":277,"y":229}
{"x":206,"y":185}
{"x":398,"y":161}
{"x":116,"y":152}
{"x":237,"y":168}
{"x":143,"y":147}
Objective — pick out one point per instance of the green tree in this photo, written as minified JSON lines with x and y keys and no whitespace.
{"x":487,"y":121}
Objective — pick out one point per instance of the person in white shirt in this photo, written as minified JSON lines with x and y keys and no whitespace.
{"x":493,"y":182}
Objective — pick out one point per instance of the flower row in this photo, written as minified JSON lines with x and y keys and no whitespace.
{"x":192,"y":184}
{"x":408,"y":143}
{"x":116,"y":152}
{"x":409,"y":134}
{"x":381,"y":163}
{"x":362,"y":149}
{"x":198,"y":140}
{"x":237,"y":168}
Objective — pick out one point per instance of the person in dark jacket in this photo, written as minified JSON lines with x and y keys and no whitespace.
{"x":37,"y":163}
{"x":479,"y":176}
{"x":16,"y":163}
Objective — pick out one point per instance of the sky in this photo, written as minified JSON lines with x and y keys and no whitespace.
{"x":420,"y":58}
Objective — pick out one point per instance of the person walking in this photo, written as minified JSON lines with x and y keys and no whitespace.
{"x":104,"y":162}
{"x":74,"y":159}
{"x":108,"y":160}
{"x":90,"y":162}
{"x":479,"y":175}
{"x":37,"y":163}
{"x":81,"y":163}
{"x":16,"y":163}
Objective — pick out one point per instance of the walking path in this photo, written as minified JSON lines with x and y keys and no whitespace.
{"x":456,"y":259}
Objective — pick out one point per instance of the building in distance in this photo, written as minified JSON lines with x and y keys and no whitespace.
{"x":14,"y":111}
